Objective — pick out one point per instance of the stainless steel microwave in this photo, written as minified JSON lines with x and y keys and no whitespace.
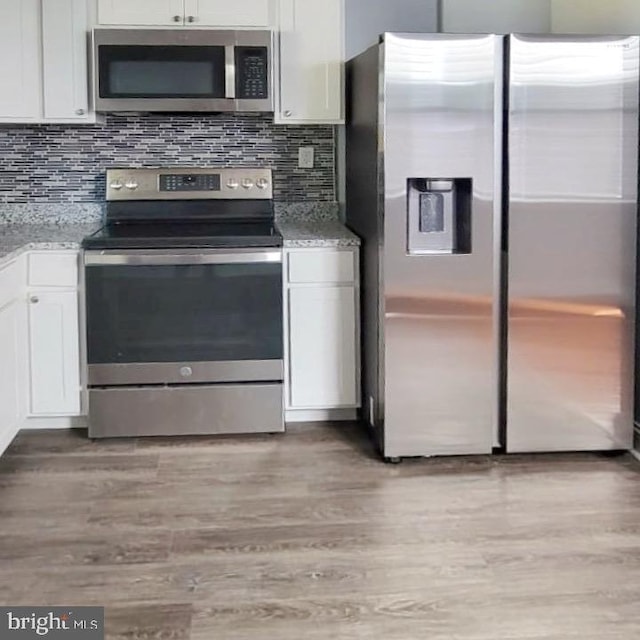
{"x":182,"y":70}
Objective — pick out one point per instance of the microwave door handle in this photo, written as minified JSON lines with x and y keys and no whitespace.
{"x":230,"y":72}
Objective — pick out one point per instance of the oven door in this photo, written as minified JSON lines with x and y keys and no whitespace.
{"x":184,"y":316}
{"x":182,"y":70}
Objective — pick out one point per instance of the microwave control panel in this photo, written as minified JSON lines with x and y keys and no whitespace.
{"x":252,"y":73}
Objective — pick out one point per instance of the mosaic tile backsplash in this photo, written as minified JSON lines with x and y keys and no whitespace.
{"x":66,"y":164}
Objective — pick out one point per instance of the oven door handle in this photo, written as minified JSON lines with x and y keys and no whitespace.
{"x":142,"y":258}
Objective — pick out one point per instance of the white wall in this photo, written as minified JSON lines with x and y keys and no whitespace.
{"x":365,"y":20}
{"x":541,"y":16}
{"x":497,"y":16}
{"x":595,"y":16}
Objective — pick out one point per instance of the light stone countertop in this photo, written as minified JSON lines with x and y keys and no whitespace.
{"x":316,"y":233}
{"x":17,"y":238}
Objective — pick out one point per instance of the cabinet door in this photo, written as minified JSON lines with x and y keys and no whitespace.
{"x":322,"y":347}
{"x":311,"y":61}
{"x":10,"y":353}
{"x":141,"y":12}
{"x":20,"y":54}
{"x":54,"y":353}
{"x":222,"y":13}
{"x":64,"y":45}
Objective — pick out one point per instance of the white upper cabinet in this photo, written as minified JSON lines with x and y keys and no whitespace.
{"x":47,"y":77}
{"x":64,"y":48}
{"x":20,"y":54}
{"x":141,"y":12}
{"x":222,"y":13}
{"x":311,"y":62}
{"x":192,"y":13}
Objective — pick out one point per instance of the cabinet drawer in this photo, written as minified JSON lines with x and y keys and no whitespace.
{"x":53,"y":269}
{"x":307,"y":266}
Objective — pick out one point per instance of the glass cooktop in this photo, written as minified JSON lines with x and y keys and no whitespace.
{"x":162,"y":235}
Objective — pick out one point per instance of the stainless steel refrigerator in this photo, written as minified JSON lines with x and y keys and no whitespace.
{"x":493,"y":181}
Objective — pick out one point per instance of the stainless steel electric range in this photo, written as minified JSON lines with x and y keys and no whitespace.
{"x":183,"y":290}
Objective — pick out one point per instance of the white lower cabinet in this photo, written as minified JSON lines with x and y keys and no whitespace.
{"x":13,"y":350}
{"x":322,"y":320}
{"x":54,"y":359}
{"x":40,"y":346}
{"x":54,"y":334}
{"x":40,"y":383}
{"x":10,"y":388}
{"x":322,"y":354}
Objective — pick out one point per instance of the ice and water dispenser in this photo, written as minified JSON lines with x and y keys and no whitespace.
{"x":439,"y":215}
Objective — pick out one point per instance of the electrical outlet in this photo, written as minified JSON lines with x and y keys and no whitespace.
{"x":305,"y":157}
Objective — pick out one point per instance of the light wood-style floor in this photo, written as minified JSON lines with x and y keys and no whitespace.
{"x":308,"y":536}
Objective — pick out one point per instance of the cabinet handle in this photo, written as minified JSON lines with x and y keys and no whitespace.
{"x":191,"y":19}
{"x":288,"y":114}
{"x":34,"y":299}
{"x":177,"y":18}
{"x":79,"y":112}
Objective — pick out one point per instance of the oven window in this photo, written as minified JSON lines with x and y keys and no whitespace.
{"x":187,"y":313}
{"x":161,"y":72}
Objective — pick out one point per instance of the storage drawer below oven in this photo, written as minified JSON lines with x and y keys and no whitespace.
{"x":185,"y":410}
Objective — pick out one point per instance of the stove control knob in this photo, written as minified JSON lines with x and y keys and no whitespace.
{"x":117,"y":185}
{"x":262,"y":183}
{"x":233,"y":184}
{"x":247,"y":183}
{"x":132,"y":184}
